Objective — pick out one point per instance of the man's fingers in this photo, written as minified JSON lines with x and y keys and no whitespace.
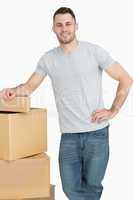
{"x":102,"y":119}
{"x":11,"y":95}
{"x":97,"y":111}
{"x":8,"y":94}
{"x":98,"y":116}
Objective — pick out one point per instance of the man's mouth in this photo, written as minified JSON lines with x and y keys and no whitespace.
{"x":64,"y":34}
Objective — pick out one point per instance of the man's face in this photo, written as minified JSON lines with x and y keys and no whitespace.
{"x":64,"y":26}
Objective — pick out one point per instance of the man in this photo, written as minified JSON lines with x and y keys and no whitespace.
{"x":75,"y":69}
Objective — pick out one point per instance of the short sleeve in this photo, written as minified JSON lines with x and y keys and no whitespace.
{"x":41,"y":67}
{"x":103,"y":57}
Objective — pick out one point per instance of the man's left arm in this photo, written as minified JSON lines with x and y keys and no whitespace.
{"x":117,"y":72}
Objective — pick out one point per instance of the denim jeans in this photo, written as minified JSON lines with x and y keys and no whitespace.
{"x":83,"y":159}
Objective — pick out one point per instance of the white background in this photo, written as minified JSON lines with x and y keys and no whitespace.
{"x":26,"y":33}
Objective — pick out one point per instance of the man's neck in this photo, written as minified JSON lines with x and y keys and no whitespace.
{"x":70,"y":46}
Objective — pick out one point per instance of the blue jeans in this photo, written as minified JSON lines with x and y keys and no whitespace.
{"x":83,"y":159}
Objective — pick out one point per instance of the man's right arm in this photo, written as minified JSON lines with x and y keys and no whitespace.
{"x":24,"y":89}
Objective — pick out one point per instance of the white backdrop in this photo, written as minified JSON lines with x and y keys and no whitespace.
{"x":26,"y":33}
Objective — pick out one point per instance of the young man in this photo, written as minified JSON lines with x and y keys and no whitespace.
{"x":75,"y":69}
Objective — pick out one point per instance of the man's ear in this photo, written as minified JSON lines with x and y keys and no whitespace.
{"x":53,"y":29}
{"x":77,"y":27}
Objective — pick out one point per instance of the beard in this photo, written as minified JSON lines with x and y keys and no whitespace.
{"x":66,"y":40}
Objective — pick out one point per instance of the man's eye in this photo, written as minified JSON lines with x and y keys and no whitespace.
{"x":58,"y":25}
{"x":68,"y":24}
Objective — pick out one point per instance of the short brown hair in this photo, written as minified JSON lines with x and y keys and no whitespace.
{"x":64,"y":10}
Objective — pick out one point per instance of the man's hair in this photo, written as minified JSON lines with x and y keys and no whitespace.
{"x":64,"y":10}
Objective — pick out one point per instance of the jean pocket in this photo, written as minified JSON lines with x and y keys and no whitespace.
{"x":68,"y":151}
{"x":102,"y":133}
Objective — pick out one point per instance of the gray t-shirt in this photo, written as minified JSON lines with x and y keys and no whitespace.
{"x":77,"y":83}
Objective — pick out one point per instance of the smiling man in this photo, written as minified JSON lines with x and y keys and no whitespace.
{"x":75,"y":68}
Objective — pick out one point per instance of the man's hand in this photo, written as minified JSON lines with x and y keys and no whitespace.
{"x":102,"y":114}
{"x":23,"y":89}
{"x":7,"y":94}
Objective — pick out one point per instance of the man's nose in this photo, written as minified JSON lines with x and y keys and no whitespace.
{"x":64,"y":28}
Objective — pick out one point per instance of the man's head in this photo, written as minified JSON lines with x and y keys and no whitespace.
{"x":64,"y":25}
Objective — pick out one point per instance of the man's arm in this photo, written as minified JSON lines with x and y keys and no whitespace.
{"x":117,"y":72}
{"x":24,"y":89}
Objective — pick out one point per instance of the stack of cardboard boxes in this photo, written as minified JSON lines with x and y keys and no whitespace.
{"x":24,"y":164}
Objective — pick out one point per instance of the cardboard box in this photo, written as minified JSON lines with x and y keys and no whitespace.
{"x":52,"y":195}
{"x":18,"y":104}
{"x":23,"y":134}
{"x":25,"y":178}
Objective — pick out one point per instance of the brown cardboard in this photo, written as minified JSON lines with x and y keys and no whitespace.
{"x":23,"y":134}
{"x":52,"y":195}
{"x":18,"y":104}
{"x":25,"y":178}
